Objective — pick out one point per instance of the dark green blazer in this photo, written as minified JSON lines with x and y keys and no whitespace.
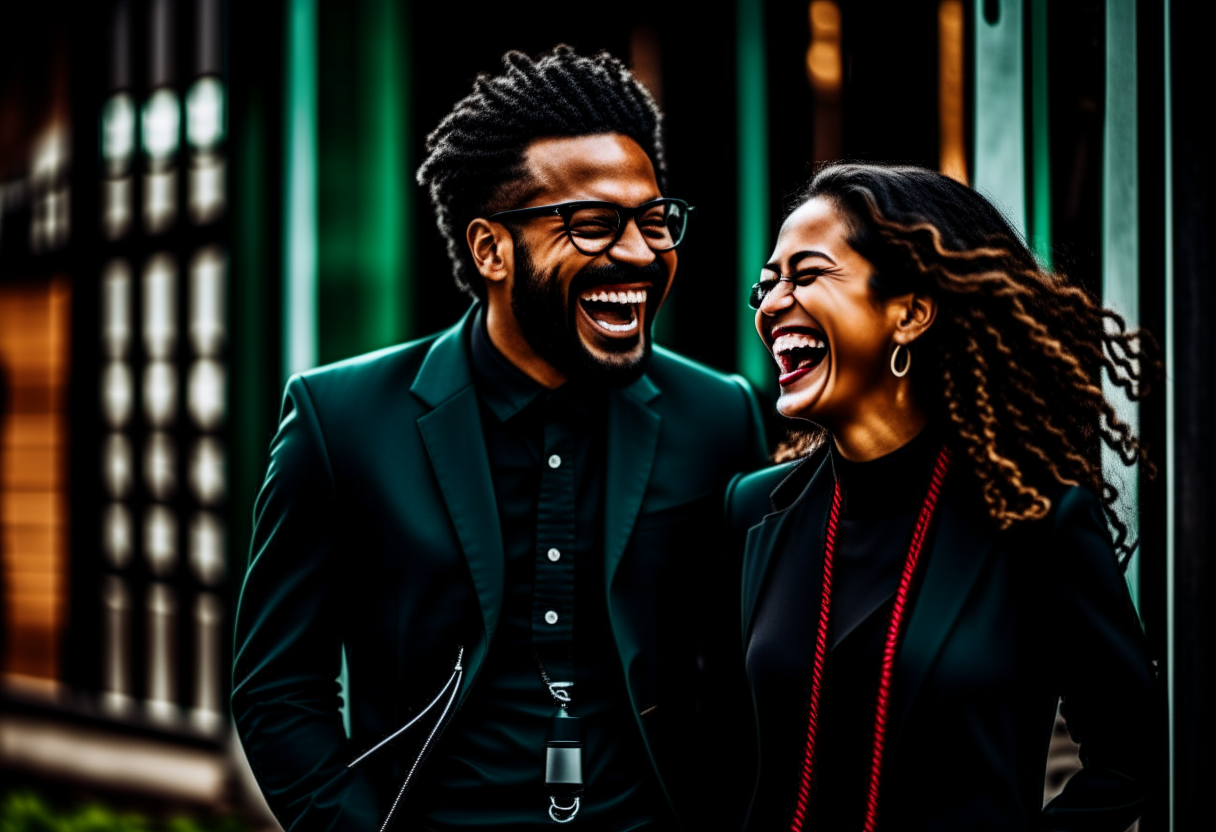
{"x":1002,"y":626}
{"x":376,"y":532}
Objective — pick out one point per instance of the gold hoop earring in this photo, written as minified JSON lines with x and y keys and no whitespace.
{"x":907,"y":364}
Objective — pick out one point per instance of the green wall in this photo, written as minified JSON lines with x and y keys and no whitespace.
{"x":754,"y":233}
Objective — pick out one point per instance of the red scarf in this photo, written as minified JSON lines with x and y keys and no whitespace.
{"x":890,"y":647}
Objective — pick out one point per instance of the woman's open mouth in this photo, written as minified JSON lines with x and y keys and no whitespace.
{"x":797,"y":350}
{"x":615,"y":311}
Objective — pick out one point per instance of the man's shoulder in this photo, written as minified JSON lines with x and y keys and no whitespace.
{"x":362,"y":379}
{"x":675,"y":373}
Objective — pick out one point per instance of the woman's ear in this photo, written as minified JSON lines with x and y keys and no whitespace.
{"x":917,"y":315}
{"x":492,"y":248}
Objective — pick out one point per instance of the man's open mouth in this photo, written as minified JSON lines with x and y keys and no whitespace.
{"x":798,"y":350}
{"x":615,"y":310}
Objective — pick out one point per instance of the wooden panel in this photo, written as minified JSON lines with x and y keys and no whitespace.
{"x":34,"y":326}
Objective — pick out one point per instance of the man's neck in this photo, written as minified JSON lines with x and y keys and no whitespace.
{"x":505,"y":335}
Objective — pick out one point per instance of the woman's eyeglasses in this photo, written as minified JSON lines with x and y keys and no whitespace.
{"x":594,"y":227}
{"x":759,"y":291}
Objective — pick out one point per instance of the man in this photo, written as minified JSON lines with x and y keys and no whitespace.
{"x":512,"y":521}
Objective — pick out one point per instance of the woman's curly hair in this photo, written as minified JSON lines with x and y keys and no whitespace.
{"x":1012,"y":366}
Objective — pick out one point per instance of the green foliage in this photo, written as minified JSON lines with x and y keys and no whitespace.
{"x":26,"y":811}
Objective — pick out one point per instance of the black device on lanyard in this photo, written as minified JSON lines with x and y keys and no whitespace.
{"x":563,"y":755}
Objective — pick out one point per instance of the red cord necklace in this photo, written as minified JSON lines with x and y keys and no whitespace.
{"x":890,"y":646}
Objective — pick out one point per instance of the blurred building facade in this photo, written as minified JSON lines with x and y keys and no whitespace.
{"x":198,"y":198}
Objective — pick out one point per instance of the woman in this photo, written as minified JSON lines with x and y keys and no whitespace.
{"x":922,"y":589}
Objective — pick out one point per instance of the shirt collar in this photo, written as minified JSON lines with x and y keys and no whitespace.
{"x":889,"y":485}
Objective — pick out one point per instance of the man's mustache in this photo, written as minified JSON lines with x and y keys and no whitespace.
{"x":612,"y":273}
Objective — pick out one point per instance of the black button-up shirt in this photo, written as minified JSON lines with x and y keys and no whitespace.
{"x":546,"y":451}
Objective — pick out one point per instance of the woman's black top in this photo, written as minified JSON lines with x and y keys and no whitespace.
{"x":882,"y":498}
{"x":1001,"y":625}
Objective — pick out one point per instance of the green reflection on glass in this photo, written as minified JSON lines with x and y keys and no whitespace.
{"x":300,"y":191}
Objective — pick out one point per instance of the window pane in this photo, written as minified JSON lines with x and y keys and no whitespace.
{"x":160,"y":306}
{"x":160,"y":539}
{"x":206,"y":395}
{"x":207,"y":302}
{"x":116,"y":309}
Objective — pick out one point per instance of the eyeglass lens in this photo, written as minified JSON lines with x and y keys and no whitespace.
{"x":594,"y":228}
{"x":759,"y":291}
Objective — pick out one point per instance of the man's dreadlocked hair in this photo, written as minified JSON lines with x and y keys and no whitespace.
{"x":1012,"y":365}
{"x":475,"y":157}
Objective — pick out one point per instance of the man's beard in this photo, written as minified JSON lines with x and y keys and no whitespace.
{"x":546,"y":317}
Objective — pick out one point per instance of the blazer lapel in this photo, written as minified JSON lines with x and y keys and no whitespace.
{"x":958,"y":556}
{"x":633,"y":438}
{"x":762,"y":541}
{"x":763,"y":538}
{"x":454,"y":441}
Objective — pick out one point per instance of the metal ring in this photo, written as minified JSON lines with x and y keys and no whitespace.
{"x":907,"y":364}
{"x":554,"y":809}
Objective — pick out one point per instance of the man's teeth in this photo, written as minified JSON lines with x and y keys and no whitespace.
{"x":796,"y":340}
{"x":632,"y":325}
{"x":617,"y":297}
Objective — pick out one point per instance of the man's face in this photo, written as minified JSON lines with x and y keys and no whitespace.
{"x":589,"y":316}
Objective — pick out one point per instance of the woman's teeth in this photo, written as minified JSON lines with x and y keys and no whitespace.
{"x":797,"y":351}
{"x":794,"y":340}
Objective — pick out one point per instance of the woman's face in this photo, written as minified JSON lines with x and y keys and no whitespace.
{"x":832,"y":339}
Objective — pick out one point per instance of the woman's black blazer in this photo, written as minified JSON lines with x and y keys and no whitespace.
{"x":1003,"y":625}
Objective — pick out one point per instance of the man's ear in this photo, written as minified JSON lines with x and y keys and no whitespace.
{"x":492,"y":248}
{"x":917,"y":315}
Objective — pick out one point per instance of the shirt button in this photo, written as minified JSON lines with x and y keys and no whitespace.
{"x":555,"y":461}
{"x":555,"y":555}
{"x":550,"y":617}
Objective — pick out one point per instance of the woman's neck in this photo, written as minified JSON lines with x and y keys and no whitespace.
{"x":877,"y":433}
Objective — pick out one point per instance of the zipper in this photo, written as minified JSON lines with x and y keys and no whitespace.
{"x":452,"y":690}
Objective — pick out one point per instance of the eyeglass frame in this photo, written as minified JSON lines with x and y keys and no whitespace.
{"x":796,"y":281}
{"x":566,"y":210}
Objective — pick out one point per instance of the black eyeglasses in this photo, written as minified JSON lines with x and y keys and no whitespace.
{"x":759,"y":291}
{"x":594,"y":227}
